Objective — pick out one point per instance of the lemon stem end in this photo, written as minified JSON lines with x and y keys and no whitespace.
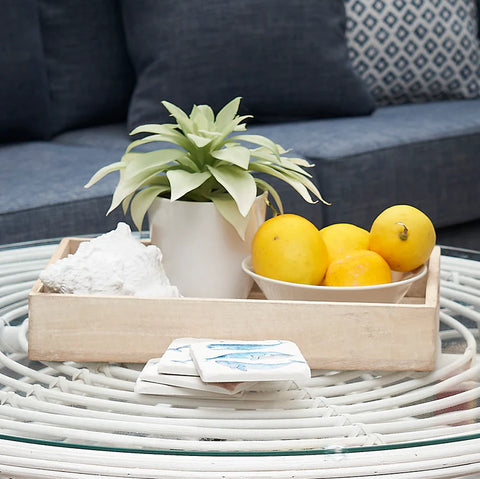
{"x":403,"y":235}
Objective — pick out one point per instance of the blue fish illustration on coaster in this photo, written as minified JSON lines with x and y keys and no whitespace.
{"x":244,"y":346}
{"x":251,"y":355}
{"x":249,"y":361}
{"x":177,"y":359}
{"x":254,"y":366}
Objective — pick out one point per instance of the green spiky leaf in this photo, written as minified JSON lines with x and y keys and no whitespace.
{"x":229,"y":210}
{"x":182,"y":182}
{"x":142,"y":201}
{"x":199,"y":141}
{"x":184,"y":122}
{"x":227,"y":114}
{"x":264,"y":186}
{"x":236,"y":155}
{"x":105,"y":171}
{"x":239,"y":184}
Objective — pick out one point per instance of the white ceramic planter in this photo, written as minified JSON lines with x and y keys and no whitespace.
{"x":202,"y":252}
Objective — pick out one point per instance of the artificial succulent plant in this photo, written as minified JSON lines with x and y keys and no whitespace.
{"x":209,"y":161}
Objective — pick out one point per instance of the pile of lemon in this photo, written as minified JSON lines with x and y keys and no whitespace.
{"x":290,"y":248}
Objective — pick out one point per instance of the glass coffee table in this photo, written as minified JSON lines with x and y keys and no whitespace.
{"x":72,"y":420}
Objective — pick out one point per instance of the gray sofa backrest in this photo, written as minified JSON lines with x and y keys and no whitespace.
{"x":84,"y":40}
{"x":64,"y":65}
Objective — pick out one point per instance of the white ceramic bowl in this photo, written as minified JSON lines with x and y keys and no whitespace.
{"x":383,"y":293}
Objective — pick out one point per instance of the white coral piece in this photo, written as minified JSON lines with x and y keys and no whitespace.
{"x":112,"y":264}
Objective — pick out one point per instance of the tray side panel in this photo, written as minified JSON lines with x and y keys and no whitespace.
{"x":331,"y":336}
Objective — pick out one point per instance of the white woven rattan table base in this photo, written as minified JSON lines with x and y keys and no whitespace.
{"x":342,"y":424}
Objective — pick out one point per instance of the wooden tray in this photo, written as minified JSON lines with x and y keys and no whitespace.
{"x":342,"y":336}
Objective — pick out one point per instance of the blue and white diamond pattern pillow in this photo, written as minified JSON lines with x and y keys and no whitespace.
{"x":415,"y":50}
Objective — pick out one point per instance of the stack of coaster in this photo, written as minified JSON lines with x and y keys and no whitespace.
{"x":205,"y":367}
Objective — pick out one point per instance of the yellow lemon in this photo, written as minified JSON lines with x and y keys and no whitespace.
{"x":289,"y":248}
{"x":404,"y":236}
{"x":340,"y":238}
{"x":358,"y":268}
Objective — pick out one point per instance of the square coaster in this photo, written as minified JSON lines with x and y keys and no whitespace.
{"x":150,"y":381}
{"x":239,"y":361}
{"x":177,"y":359}
{"x":155,"y":389}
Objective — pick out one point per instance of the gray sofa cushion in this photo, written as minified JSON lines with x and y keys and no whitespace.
{"x":90,"y":76}
{"x":42,"y":194}
{"x":23,"y":79}
{"x":421,"y":154}
{"x":288,"y":60}
{"x":111,"y":136}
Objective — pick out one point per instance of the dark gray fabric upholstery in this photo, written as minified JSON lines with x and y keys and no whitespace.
{"x":23,"y":79}
{"x":388,"y":127}
{"x":42,"y":194}
{"x":112,"y":136}
{"x":421,"y":154}
{"x":89,"y":73}
{"x":425,"y":155}
{"x":461,"y":235}
{"x":478,"y":16}
{"x":286,"y":63}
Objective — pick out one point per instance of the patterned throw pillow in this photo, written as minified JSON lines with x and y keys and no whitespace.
{"x":415,"y":50}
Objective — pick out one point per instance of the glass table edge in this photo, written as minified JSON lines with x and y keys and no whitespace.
{"x":296,"y":452}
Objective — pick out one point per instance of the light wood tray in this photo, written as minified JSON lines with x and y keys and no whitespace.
{"x":342,"y":336}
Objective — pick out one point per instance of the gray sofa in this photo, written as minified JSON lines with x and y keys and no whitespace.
{"x":71,"y":89}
